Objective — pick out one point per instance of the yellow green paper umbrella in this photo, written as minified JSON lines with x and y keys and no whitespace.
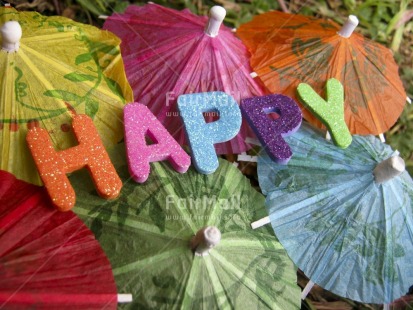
{"x":51,"y":68}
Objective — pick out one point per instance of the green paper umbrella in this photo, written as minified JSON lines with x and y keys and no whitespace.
{"x":184,"y":240}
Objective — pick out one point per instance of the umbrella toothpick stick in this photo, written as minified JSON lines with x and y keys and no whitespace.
{"x":264,"y":221}
{"x":307,"y":289}
{"x":349,"y":26}
{"x":388,"y":169}
{"x":216,"y":16}
{"x":11,"y":33}
{"x":205,"y":239}
{"x":124,"y":298}
{"x":244,"y":157}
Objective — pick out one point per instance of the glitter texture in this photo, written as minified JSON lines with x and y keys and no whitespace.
{"x":53,"y":165}
{"x":201,"y":135}
{"x":270,"y":132}
{"x":330,"y":111}
{"x":139,"y":123}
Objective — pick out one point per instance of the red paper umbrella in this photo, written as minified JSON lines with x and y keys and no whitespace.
{"x":168,"y":53}
{"x":48,"y":259}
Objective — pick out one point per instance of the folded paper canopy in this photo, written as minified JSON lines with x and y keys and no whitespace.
{"x":147,"y":235}
{"x":168,"y":53}
{"x":348,"y":228}
{"x":57,"y":68}
{"x":48,"y":259}
{"x":289,"y":49}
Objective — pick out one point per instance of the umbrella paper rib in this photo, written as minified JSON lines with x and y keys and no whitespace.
{"x":249,"y":283}
{"x":152,"y":52}
{"x":219,"y":290}
{"x":178,"y":14}
{"x":133,"y":224}
{"x":55,"y":299}
{"x":247,"y":243}
{"x":141,"y":264}
{"x":38,"y":39}
{"x":183,"y":213}
{"x":61,"y":68}
{"x":146,"y":22}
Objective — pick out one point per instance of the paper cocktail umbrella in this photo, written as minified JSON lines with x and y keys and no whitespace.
{"x":48,"y":259}
{"x":184,"y":241}
{"x":168,"y":53}
{"x":344,"y":216}
{"x":52,"y":67}
{"x":289,"y":49}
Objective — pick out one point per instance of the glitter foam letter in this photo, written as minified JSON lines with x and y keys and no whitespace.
{"x":269,"y":131}
{"x":90,"y":153}
{"x":330,"y":112}
{"x":141,"y":123}
{"x":201,"y":136}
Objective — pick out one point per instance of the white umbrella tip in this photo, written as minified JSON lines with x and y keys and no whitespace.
{"x":216,"y":16}
{"x":11,"y":33}
{"x":353,"y":20}
{"x":388,"y":169}
{"x":212,"y":236}
{"x":205,"y":239}
{"x":348,"y":28}
{"x":218,"y":13}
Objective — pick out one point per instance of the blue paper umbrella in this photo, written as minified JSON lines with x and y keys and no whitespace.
{"x":349,"y":233}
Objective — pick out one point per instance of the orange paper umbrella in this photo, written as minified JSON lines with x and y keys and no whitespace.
{"x":289,"y":49}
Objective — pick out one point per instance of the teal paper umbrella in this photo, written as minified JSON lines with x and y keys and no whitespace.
{"x":344,"y":216}
{"x":183,"y":241}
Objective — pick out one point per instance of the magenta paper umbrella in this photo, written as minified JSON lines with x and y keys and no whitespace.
{"x":168,"y":53}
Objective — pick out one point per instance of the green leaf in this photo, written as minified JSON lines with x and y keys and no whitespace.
{"x":59,"y":26}
{"x":62,"y":94}
{"x":115,"y":88}
{"x":82,"y":58}
{"x":108,"y":49}
{"x":91,"y":108}
{"x":79,"y":77}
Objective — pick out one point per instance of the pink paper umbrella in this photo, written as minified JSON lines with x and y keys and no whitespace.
{"x":168,"y":53}
{"x":48,"y":259}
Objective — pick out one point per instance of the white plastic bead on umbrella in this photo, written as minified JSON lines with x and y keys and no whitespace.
{"x":205,"y":239}
{"x":216,"y":17}
{"x":348,"y":28}
{"x":11,"y":33}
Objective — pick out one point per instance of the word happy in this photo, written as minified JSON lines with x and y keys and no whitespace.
{"x":139,"y":123}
